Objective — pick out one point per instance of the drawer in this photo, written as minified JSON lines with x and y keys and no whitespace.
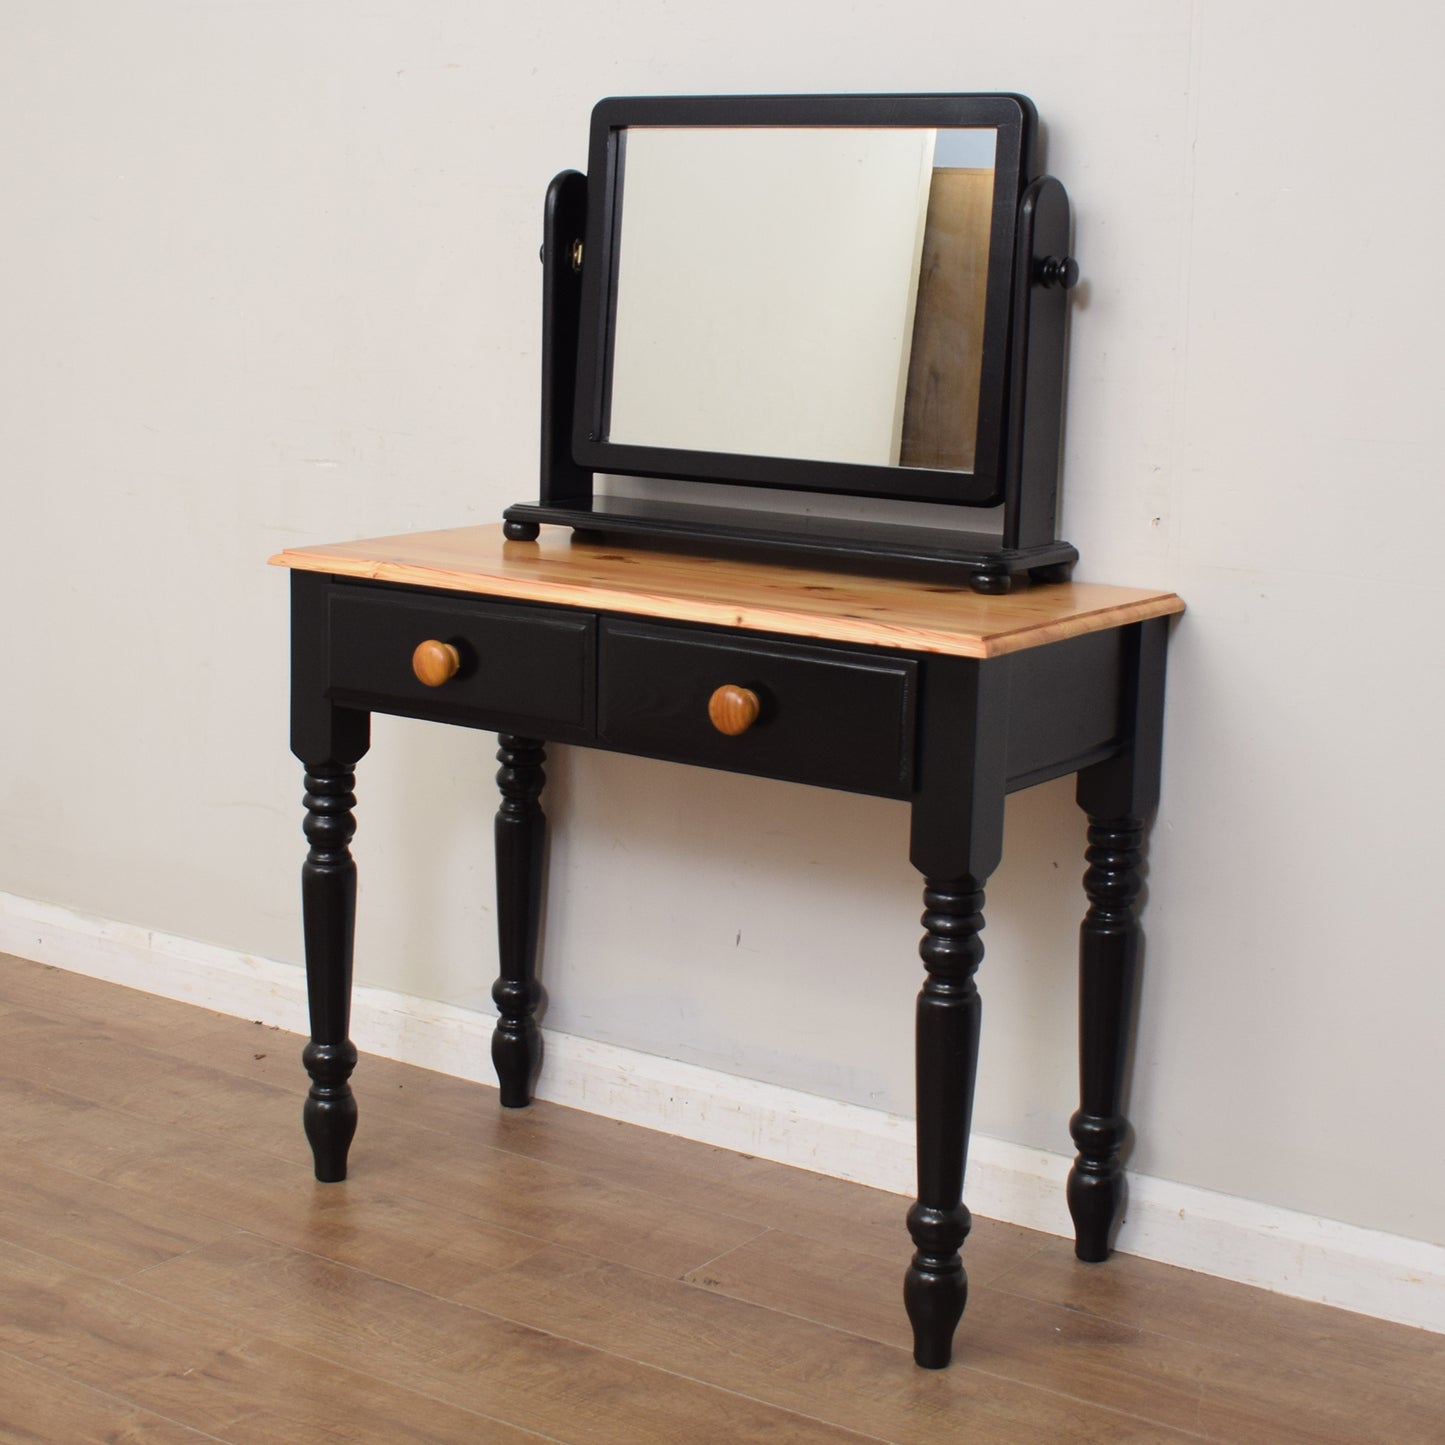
{"x":836,"y":718}
{"x":520,"y":669}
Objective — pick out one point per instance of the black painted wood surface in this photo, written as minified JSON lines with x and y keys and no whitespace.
{"x":520,"y":834}
{"x":329,"y":741}
{"x":834,"y":717}
{"x":951,"y":735}
{"x":1117,"y":794}
{"x":1108,"y":964}
{"x":522,"y":667}
{"x":328,"y":905}
{"x":935,"y":1288}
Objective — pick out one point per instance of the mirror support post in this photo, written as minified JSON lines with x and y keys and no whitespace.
{"x":1043,"y":273}
{"x":564,"y":222}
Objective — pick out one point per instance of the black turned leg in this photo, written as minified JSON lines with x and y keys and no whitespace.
{"x":521,"y":832}
{"x":955,"y":842}
{"x":1108,"y":964}
{"x":1117,"y":795}
{"x":935,"y":1288}
{"x":328,"y":905}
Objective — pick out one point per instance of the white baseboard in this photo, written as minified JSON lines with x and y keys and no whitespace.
{"x":1296,"y":1254}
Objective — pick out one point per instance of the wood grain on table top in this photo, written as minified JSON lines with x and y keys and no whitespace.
{"x":922,"y":615}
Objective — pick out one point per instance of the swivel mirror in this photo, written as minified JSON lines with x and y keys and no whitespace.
{"x":862,"y":296}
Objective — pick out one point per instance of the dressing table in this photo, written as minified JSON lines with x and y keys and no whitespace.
{"x":940,"y":669}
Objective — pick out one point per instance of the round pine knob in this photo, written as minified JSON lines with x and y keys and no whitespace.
{"x":733,"y":710}
{"x":435,"y":662}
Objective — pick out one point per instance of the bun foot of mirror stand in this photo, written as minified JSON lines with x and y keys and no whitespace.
{"x":521,"y":531}
{"x":521,"y":835}
{"x":935,"y":1289}
{"x":991,"y":584}
{"x":328,"y":902}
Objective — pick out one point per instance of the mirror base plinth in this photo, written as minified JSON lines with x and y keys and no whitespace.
{"x":975,"y":559}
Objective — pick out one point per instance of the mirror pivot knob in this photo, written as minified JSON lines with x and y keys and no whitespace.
{"x":435,"y":662}
{"x":732,"y":709}
{"x":1062,"y":271}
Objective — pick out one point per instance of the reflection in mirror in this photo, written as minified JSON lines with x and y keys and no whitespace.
{"x":809,"y":292}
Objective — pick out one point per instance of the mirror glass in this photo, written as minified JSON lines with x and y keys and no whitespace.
{"x":811,"y":293}
{"x":807,"y":292}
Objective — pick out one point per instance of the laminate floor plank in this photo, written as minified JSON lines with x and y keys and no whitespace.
{"x":553,"y":1203}
{"x":89,"y":1225}
{"x":788,"y":1360}
{"x":37,"y":1405}
{"x":1371,"y":1368}
{"x":170,"y":1270}
{"x":668,"y":1167}
{"x":465,"y":1356}
{"x":544,"y":1200}
{"x":398,"y":1099}
{"x":116,"y":1230}
{"x":503,"y":1193}
{"x":124,"y":1075}
{"x":1210,"y":1386}
{"x":195,"y":1368}
{"x":1201,"y":1308}
{"x":81,"y":999}
{"x":770,"y":1195}
{"x":395,"y":1236}
{"x":153,"y":1169}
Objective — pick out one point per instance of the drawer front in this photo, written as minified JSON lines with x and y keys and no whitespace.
{"x":839,"y":719}
{"x":519,"y":669}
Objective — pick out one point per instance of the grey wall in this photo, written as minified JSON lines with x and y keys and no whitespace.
{"x":268,"y":276}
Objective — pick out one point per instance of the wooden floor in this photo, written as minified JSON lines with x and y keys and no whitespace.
{"x":169,"y":1271}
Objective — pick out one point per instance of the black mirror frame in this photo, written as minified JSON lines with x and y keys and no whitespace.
{"x":1024,"y":371}
{"x":1015,"y":123}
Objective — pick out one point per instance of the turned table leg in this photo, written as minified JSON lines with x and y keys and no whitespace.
{"x":328,"y":905}
{"x":956,"y":842}
{"x":521,"y":834}
{"x":935,"y":1288}
{"x":1116,"y":795}
{"x":1108,"y":963}
{"x":328,"y":740}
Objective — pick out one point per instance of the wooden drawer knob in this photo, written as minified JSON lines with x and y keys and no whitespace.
{"x":733,"y":709}
{"x":435,"y":662}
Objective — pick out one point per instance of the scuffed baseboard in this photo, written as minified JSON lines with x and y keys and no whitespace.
{"x":1310,"y":1258}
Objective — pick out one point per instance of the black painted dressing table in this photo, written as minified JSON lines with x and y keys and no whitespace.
{"x":850,"y":296}
{"x":921,"y":691}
